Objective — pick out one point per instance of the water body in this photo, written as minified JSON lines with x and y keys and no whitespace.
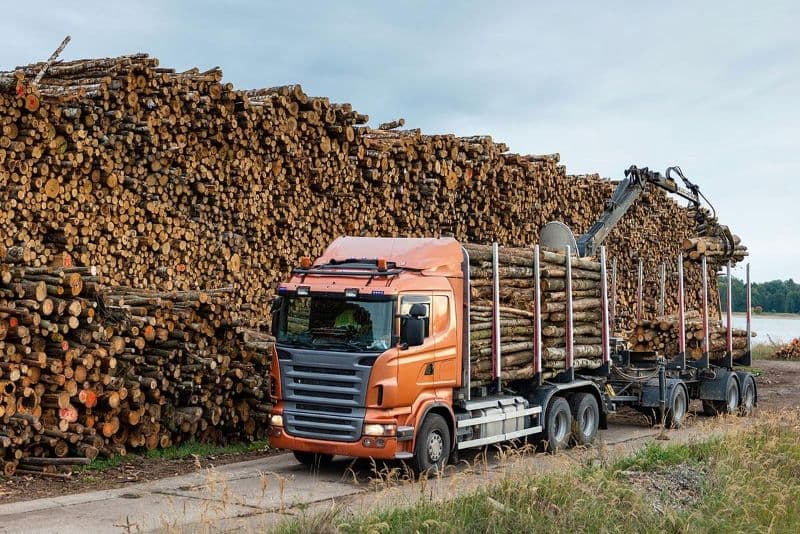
{"x":778,"y":328}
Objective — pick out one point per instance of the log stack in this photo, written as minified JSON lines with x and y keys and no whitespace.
{"x":518,"y":312}
{"x":661,"y":335}
{"x":790,"y":351}
{"x":176,"y":181}
{"x":87,"y":369}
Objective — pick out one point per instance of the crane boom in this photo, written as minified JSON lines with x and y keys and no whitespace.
{"x":625,"y":195}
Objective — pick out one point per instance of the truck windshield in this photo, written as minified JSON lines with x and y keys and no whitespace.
{"x":331,"y":323}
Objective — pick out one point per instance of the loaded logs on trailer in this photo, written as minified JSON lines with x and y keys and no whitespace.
{"x":518,"y":310}
{"x":662,"y":333}
{"x":177,"y":181}
{"x":87,"y":369}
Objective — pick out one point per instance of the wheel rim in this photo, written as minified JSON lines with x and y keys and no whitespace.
{"x":435,"y":447}
{"x":562,"y":427}
{"x":679,"y":407}
{"x":588,"y":422}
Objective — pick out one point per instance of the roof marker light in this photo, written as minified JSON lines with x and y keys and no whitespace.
{"x":382,"y":264}
{"x":305,"y":262}
{"x":302,"y":291}
{"x":351,"y":292}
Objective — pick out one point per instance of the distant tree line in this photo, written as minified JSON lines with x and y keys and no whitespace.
{"x":777,"y":296}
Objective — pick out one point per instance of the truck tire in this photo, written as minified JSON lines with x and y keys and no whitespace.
{"x":677,"y":408}
{"x":728,"y":406}
{"x":748,"y":397}
{"x":313,"y":460}
{"x":586,"y":418}
{"x":432,"y":448}
{"x":558,"y":424}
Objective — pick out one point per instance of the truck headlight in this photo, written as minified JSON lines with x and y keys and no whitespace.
{"x":276,"y":420}
{"x":374,"y":429}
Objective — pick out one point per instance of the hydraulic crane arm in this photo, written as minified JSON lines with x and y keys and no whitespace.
{"x":625,"y":195}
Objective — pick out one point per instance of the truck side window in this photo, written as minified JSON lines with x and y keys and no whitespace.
{"x":406,"y":302}
{"x":440,"y":319}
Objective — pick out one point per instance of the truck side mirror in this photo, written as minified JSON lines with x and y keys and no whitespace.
{"x":414,"y":331}
{"x":275,"y":307}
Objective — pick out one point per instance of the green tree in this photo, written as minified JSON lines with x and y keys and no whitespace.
{"x":775,"y":296}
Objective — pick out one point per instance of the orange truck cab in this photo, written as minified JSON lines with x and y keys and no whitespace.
{"x":372,"y":360}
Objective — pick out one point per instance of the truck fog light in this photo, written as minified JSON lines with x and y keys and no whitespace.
{"x":276,"y":420}
{"x":379,"y":443}
{"x":367,"y":442}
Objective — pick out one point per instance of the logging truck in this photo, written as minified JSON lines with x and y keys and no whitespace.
{"x":372,"y":360}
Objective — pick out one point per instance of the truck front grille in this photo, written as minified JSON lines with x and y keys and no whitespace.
{"x":324,"y":394}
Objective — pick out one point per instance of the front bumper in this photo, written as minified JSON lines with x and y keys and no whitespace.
{"x":279,"y":439}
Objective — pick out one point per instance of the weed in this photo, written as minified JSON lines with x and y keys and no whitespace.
{"x":763,"y":351}
{"x":101,"y":464}
{"x":654,"y":455}
{"x":324,"y":522}
{"x":190,"y":449}
{"x":204,"y":450}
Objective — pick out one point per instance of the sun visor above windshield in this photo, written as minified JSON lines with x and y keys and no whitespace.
{"x":424,"y":254}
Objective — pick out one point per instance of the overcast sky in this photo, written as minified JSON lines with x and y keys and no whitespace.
{"x":710,"y":86}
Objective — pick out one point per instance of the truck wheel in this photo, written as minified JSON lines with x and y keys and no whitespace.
{"x":678,"y":406}
{"x":586,"y":416}
{"x":728,"y":406}
{"x":432,"y":448}
{"x":559,"y":424}
{"x":748,"y":400}
{"x":311,"y":459}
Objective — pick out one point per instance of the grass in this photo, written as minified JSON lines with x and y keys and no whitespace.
{"x":749,"y":482}
{"x":653,"y":455}
{"x":204,"y":450}
{"x":189,"y":449}
{"x":763,"y":351}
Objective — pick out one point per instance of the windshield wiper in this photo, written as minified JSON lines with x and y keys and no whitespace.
{"x":299,"y":343}
{"x":333,"y":343}
{"x":348,"y":345}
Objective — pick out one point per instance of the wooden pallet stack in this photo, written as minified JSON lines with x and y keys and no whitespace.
{"x":177,"y":181}
{"x":87,"y":369}
{"x":518,"y":312}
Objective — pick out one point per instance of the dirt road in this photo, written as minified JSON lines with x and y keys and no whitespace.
{"x":256,"y":494}
{"x":778,"y":384}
